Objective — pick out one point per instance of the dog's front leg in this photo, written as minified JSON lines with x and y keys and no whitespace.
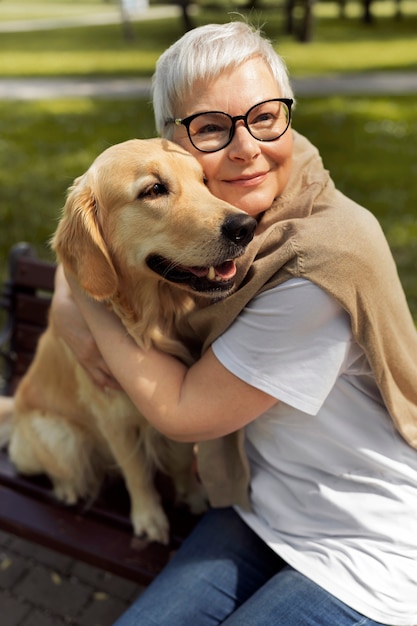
{"x":147,"y":515}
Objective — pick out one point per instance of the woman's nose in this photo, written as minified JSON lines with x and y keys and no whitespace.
{"x":243,"y":145}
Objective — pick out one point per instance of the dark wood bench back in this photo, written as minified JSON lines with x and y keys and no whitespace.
{"x":26,"y":298}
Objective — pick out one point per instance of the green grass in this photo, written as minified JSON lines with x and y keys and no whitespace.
{"x":44,"y":146}
{"x":33,"y":9}
{"x":340,"y":45}
{"x":369,"y":146}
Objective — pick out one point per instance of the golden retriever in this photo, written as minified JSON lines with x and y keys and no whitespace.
{"x":141,"y":232}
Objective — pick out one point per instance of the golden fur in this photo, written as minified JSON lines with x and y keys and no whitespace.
{"x":139,"y":220}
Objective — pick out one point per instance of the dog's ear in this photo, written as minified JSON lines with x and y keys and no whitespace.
{"x":79,"y":244}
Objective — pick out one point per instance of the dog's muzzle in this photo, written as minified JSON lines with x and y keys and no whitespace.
{"x":218,"y":278}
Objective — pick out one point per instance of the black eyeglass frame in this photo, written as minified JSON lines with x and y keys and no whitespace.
{"x":186,"y":121}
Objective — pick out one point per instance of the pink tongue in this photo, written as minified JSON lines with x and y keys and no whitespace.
{"x":225,"y":270}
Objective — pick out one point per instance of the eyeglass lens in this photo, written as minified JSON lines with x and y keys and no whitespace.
{"x":266,"y":121}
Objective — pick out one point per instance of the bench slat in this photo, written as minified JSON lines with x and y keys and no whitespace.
{"x":100,"y":534}
{"x":84,"y":538}
{"x":32,"y":308}
{"x":34,"y":273}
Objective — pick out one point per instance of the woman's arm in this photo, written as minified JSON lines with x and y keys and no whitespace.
{"x":203,"y":402}
{"x":72,"y":328}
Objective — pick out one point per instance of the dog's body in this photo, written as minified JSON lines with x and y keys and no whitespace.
{"x":141,"y":232}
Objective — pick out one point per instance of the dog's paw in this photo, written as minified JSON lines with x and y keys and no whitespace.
{"x":152,"y":525}
{"x":65,"y":492}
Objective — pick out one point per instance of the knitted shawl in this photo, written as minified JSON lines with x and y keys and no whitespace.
{"x":315,"y":232}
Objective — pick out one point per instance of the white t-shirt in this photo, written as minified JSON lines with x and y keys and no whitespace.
{"x":333,"y":485}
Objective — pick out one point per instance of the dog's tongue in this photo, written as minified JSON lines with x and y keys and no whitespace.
{"x":224,"y":271}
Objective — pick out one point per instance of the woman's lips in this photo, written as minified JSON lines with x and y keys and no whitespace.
{"x":248,"y":181}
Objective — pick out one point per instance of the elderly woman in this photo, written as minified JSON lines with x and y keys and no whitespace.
{"x":304,"y":400}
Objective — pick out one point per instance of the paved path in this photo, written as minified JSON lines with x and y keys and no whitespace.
{"x":97,"y":19}
{"x":39,"y":587}
{"x":47,"y":88}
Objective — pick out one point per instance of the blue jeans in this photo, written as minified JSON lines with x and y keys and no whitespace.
{"x":225,"y":574}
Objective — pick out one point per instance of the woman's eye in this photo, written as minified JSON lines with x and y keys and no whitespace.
{"x":263,"y":117}
{"x":209,"y":129}
{"x":154,"y":191}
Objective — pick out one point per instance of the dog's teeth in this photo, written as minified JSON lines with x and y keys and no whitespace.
{"x":211,"y":273}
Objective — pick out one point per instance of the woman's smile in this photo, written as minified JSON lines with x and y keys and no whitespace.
{"x":248,"y":180}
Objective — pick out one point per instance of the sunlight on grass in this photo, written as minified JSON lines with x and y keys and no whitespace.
{"x":339,"y":45}
{"x":31,"y":9}
{"x":345,"y":57}
{"x":107,"y":63}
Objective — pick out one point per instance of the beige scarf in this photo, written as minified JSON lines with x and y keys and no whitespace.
{"x":313,"y":231}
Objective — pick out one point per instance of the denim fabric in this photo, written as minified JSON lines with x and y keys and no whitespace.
{"x":225,"y":574}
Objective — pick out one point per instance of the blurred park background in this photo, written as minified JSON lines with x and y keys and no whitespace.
{"x":368,"y":142}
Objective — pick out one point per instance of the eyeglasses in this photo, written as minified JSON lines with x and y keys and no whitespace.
{"x":214,"y":130}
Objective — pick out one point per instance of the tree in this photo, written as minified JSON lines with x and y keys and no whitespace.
{"x":305,"y":31}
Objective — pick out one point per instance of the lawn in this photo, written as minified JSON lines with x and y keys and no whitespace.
{"x":340,"y":45}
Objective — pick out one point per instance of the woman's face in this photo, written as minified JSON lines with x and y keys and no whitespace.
{"x":248,"y":173}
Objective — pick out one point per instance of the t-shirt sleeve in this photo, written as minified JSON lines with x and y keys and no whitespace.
{"x":290,"y":342}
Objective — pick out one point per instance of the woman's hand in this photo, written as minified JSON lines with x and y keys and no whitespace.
{"x":72,"y":328}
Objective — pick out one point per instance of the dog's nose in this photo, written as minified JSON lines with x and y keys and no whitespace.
{"x":239,"y":228}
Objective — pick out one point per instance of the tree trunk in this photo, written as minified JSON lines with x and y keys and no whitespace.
{"x":127,"y":27}
{"x":367,"y":14}
{"x":186,"y":19}
{"x":398,"y":14}
{"x":289,"y":17}
{"x":342,"y":8}
{"x":306,"y":33}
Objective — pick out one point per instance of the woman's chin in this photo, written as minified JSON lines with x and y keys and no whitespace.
{"x":253,"y":203}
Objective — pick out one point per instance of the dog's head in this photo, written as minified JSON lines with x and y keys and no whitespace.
{"x":143,"y":208}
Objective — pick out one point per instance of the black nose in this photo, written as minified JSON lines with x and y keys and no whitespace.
{"x":239,"y":228}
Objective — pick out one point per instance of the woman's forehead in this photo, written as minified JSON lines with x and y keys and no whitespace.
{"x":234,"y":89}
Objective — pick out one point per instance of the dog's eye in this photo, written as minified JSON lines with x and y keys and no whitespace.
{"x":154,"y":191}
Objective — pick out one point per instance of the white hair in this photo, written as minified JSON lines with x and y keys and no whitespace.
{"x":202,"y":54}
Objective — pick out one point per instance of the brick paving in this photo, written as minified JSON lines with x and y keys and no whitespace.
{"x":40,"y":587}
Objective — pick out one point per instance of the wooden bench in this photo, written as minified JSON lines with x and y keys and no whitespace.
{"x":98,"y":533}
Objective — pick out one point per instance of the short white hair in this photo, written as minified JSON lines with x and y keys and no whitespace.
{"x":202,"y":54}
